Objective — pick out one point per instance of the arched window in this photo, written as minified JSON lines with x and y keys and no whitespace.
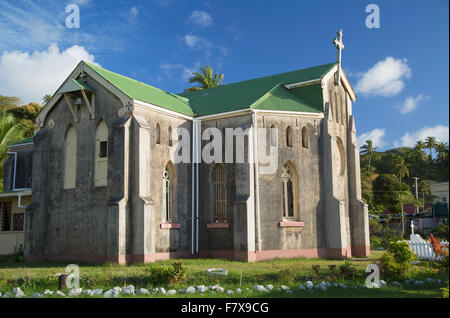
{"x":332,"y":110}
{"x":343,"y":111}
{"x":101,"y":154}
{"x":289,"y":136}
{"x":70,"y":158}
{"x":169,"y":196}
{"x":219,"y":194}
{"x":170,"y":136}
{"x":273,"y":136}
{"x":289,"y":184}
{"x":158,"y":134}
{"x":305,"y":137}
{"x":336,"y":105}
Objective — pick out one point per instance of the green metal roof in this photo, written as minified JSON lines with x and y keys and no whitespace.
{"x":23,"y":142}
{"x":262,"y":93}
{"x":242,"y":95}
{"x":143,"y":92}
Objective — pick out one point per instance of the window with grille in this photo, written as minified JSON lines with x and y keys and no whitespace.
{"x":6,"y":216}
{"x":289,"y":184}
{"x":219,"y":194}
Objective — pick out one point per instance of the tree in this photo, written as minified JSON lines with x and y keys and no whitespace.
{"x":206,"y":79}
{"x":11,"y":130}
{"x":401,"y":168}
{"x":390,"y":192}
{"x":430,"y":143}
{"x":46,"y":99}
{"x":369,"y":150}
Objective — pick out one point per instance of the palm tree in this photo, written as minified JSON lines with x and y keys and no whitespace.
{"x":442,"y":153}
{"x":401,"y":167}
{"x":11,"y":130}
{"x":368,"y":149}
{"x":206,"y":79}
{"x":430,"y":143}
{"x":46,"y":99}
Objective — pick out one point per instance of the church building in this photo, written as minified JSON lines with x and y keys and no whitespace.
{"x":107,"y":184}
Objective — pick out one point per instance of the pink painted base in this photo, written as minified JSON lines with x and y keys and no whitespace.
{"x":292,"y":224}
{"x":170,"y":225}
{"x":217,"y":225}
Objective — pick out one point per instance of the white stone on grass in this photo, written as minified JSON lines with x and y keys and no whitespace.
{"x":260,"y":288}
{"x":438,"y":281}
{"x":419,"y":282}
{"x":230,"y":292}
{"x":162,"y":290}
{"x":217,"y":271}
{"x":155,"y":290}
{"x":6,"y":295}
{"x":18,"y":293}
{"x":128,"y":290}
{"x":96,"y":292}
{"x":302,"y":287}
{"x":309,"y":284}
{"x":409,"y":281}
{"x":202,"y":289}
{"x":143,"y":291}
{"x":86,"y":292}
{"x":60,"y":293}
{"x":171,"y":292}
{"x":269,"y":287}
{"x":191,"y":290}
{"x":239,"y":291}
{"x":382,"y":283}
{"x":75,"y":292}
{"x":220,"y":289}
{"x":396,"y":284}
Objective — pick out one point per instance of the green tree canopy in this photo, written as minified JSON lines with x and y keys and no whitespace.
{"x":206,"y":79}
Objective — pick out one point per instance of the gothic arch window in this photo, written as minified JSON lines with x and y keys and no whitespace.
{"x":158,"y":134}
{"x":219,"y":194}
{"x":289,"y":136}
{"x":70,"y":158}
{"x":101,"y":154}
{"x":305,"y":137}
{"x":343,"y":110}
{"x":273,"y":136}
{"x":336,"y":107}
{"x":289,"y":190}
{"x":170,"y":137}
{"x":169,"y":195}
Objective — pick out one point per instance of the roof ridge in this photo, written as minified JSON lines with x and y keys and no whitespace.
{"x":332,"y":64}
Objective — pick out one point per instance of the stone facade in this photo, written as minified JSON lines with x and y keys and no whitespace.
{"x":124,"y":221}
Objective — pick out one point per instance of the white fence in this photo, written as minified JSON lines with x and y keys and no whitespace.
{"x":423,"y":249}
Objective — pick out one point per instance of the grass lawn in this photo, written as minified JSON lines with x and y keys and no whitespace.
{"x":37,"y":277}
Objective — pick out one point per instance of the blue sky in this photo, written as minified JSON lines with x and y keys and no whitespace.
{"x":400,"y":70}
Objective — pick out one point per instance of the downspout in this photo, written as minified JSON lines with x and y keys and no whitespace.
{"x":197,"y":148}
{"x":193,"y":187}
{"x":15,"y":165}
{"x":19,"y":202}
{"x":255,"y":156}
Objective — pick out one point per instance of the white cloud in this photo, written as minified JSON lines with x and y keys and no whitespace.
{"x":196,"y":42}
{"x":133,"y":14}
{"x":201,"y":18}
{"x":185,"y":72}
{"x":409,"y":139}
{"x":31,"y":76}
{"x":376,"y":135}
{"x":411,"y":104}
{"x":385,"y":78}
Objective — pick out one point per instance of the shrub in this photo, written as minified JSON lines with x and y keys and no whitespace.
{"x":167,"y":276}
{"x":444,"y":291}
{"x":401,"y":252}
{"x":390,"y":267}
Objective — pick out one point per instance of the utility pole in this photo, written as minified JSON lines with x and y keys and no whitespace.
{"x":417,"y":196}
